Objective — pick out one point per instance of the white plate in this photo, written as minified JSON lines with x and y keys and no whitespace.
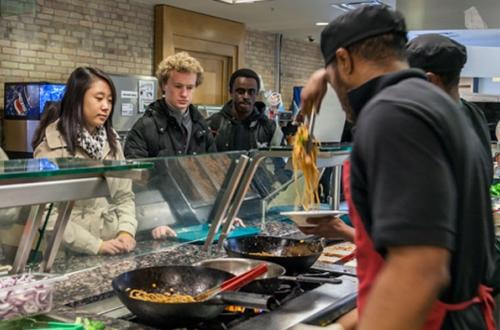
{"x":300,"y":217}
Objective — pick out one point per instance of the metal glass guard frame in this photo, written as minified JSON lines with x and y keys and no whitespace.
{"x":222,"y":204}
{"x":64,"y":190}
{"x":325,"y":159}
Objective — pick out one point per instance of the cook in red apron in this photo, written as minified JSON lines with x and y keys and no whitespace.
{"x":370,"y":262}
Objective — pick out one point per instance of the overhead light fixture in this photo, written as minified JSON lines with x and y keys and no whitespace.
{"x":495,"y":79}
{"x":321,"y":23}
{"x":351,"y":5}
{"x":237,"y":2}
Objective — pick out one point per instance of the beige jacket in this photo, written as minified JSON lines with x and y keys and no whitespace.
{"x":3,"y":155}
{"x":92,"y":220}
{"x":10,"y":215}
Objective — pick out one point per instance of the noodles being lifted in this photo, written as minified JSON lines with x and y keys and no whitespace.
{"x":163,"y":298}
{"x":309,"y":197}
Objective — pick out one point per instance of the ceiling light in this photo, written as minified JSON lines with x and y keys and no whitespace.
{"x":321,"y":23}
{"x":237,"y":2}
{"x":351,"y":5}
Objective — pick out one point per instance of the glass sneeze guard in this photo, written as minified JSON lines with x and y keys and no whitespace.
{"x":30,"y":169}
{"x":28,"y":185}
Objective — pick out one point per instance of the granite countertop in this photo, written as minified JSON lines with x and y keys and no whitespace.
{"x":89,"y":284}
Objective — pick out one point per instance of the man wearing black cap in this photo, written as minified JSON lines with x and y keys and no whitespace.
{"x":417,"y":182}
{"x":242,"y":123}
{"x":442,"y":59}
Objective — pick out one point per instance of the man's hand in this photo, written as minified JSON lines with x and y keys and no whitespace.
{"x":406,"y":288}
{"x":111,"y":247}
{"x":313,"y":92}
{"x":163,"y":232}
{"x":128,"y":242}
{"x":236,"y":223}
{"x":329,"y":227}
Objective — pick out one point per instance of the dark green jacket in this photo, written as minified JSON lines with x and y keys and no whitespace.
{"x":255,"y":131}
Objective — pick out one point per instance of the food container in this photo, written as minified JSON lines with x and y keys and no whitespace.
{"x":26,"y":294}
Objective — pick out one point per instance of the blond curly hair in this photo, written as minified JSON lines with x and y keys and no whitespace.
{"x":180,"y":62}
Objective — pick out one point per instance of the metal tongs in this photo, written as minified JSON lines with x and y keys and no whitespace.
{"x":310,"y":140}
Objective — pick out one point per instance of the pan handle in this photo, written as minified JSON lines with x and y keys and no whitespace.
{"x":311,"y":279}
{"x":245,"y":299}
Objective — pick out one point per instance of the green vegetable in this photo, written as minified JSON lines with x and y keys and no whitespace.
{"x":495,"y":189}
{"x":89,"y":324}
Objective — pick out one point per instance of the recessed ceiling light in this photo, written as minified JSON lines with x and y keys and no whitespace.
{"x":237,"y":2}
{"x":351,"y":5}
{"x":321,"y":23}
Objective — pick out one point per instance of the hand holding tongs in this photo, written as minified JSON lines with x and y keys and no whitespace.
{"x":233,"y":283}
{"x":310,"y":140}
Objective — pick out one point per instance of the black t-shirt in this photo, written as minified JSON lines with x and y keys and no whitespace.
{"x":479,"y":123}
{"x":419,"y":176}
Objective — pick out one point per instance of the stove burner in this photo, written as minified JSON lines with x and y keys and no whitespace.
{"x":288,"y":290}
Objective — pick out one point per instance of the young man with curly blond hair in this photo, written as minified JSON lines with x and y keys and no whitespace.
{"x":172,"y":125}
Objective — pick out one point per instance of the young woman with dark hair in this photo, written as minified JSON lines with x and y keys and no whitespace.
{"x":84,"y":130}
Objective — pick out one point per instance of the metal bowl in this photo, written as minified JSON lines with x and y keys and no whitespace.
{"x":238,"y":266}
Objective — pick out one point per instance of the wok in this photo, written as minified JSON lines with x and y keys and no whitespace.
{"x":297,"y":256}
{"x":266,"y":283}
{"x":184,"y":280}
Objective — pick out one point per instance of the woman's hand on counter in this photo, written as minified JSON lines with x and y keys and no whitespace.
{"x":127,"y":240}
{"x":163,"y":232}
{"x":112,"y":247}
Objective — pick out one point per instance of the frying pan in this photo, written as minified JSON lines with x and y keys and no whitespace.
{"x":297,"y":256}
{"x":184,"y":280}
{"x":266,"y":283}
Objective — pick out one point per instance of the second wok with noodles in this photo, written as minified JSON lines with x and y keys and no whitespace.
{"x":297,"y":256}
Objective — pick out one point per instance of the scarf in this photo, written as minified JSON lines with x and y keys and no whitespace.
{"x":93,"y":145}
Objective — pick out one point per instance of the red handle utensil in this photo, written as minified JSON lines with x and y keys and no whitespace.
{"x":233,"y":283}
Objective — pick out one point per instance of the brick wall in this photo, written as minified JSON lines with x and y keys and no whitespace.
{"x":259,"y":55}
{"x":116,"y":36}
{"x":298,"y":60}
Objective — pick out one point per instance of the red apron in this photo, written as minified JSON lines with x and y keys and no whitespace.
{"x":370,"y":262}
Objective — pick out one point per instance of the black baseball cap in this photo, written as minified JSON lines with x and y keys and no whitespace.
{"x":436,"y":53}
{"x":362,"y":23}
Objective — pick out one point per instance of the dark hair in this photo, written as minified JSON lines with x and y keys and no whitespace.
{"x":381,"y":48}
{"x":51,"y":111}
{"x":247,"y":73}
{"x":449,"y":79}
{"x":72,"y":120}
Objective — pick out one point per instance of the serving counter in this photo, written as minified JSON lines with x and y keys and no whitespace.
{"x":194,"y":195}
{"x":37,"y":182}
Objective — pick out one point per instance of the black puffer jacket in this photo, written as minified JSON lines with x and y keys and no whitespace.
{"x":255,"y":131}
{"x":157,"y":134}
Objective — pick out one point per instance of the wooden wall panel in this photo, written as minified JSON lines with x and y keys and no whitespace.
{"x":197,"y":32}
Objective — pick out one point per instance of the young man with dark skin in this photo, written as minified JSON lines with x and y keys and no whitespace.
{"x":242,"y":123}
{"x":417,"y":182}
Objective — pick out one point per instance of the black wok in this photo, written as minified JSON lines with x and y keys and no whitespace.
{"x":297,"y":256}
{"x":184,"y":280}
